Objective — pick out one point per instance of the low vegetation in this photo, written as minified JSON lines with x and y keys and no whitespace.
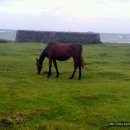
{"x":5,"y":41}
{"x":33,"y":102}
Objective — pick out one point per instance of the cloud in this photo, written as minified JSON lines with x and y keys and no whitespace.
{"x":68,"y":15}
{"x":62,"y":8}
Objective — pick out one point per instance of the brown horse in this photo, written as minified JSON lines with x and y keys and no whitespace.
{"x":61,"y":51}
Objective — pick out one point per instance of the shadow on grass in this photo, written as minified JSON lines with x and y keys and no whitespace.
{"x":93,"y":100}
{"x":113,"y":75}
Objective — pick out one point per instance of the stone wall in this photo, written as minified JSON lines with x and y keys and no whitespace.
{"x":49,"y":36}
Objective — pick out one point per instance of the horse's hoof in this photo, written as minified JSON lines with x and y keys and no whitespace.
{"x":71,"y":77}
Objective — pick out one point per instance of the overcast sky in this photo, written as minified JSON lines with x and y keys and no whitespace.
{"x":66,"y":15}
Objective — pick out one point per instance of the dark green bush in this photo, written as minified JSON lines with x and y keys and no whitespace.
{"x":3,"y":41}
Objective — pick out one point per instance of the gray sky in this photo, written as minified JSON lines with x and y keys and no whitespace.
{"x":66,"y":15}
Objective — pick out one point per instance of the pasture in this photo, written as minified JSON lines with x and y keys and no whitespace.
{"x":34,"y":102}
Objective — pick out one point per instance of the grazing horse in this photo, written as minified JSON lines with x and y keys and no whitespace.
{"x":61,"y":51}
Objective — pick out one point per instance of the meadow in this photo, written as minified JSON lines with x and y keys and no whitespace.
{"x":34,"y":102}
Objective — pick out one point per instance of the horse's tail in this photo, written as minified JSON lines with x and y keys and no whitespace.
{"x":81,"y":58}
{"x":82,"y":62}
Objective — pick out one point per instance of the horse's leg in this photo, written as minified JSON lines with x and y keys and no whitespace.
{"x":75,"y":68}
{"x":79,"y":66}
{"x":57,"y":72}
{"x":79,"y":72}
{"x":50,"y":65}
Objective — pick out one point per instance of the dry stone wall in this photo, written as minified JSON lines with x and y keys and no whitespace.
{"x":49,"y":36}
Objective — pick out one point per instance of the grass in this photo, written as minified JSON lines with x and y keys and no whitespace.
{"x":32,"y":102}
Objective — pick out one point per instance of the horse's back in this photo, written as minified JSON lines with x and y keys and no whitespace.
{"x":63,"y":51}
{"x":59,"y":45}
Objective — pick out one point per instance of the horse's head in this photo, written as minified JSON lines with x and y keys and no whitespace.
{"x":39,"y":66}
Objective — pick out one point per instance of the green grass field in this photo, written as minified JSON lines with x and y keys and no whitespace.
{"x":33,"y":102}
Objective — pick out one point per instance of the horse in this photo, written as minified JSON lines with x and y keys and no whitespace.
{"x":61,"y":52}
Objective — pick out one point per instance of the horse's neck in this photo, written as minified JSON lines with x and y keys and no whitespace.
{"x":42,"y":56}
